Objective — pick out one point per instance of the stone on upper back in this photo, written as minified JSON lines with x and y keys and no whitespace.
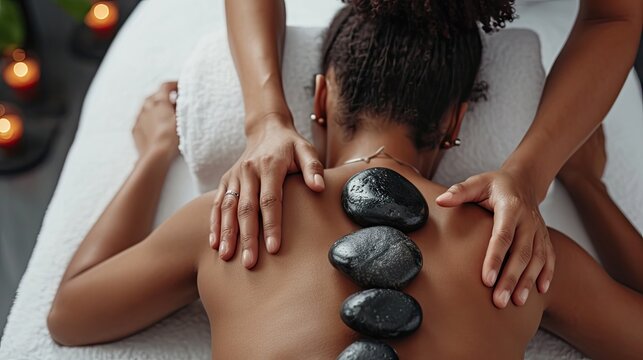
{"x":381,"y":196}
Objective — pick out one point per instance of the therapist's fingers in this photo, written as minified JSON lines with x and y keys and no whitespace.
{"x":547,"y":274}
{"x":474,"y":189}
{"x":215,"y":216}
{"x":308,"y":162}
{"x":502,"y":236}
{"x":270,"y":201}
{"x":248,"y":213}
{"x":229,"y":220}
{"x":533,"y":270}
{"x":520,"y":257}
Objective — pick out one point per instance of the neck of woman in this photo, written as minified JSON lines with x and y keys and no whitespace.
{"x":396,"y":142}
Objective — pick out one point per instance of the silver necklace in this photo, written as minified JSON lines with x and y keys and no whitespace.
{"x":378,"y":153}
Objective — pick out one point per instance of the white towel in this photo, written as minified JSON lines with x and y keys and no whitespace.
{"x":210,"y":105}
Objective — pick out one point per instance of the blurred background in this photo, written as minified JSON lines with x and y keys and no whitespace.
{"x":49,"y":53}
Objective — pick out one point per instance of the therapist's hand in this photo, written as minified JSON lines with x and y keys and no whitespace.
{"x":254,"y":186}
{"x":518,"y":231}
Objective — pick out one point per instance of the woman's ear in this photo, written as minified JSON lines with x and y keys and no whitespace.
{"x":453,"y":129}
{"x":318,"y":117}
{"x":458,"y":116}
{"x":319,"y":101}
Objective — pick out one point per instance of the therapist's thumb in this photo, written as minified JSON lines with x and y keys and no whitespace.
{"x":474,"y":189}
{"x":309,"y":164}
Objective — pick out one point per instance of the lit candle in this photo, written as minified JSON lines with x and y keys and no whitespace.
{"x":22,"y":73}
{"x":11,"y":128}
{"x":102,"y":17}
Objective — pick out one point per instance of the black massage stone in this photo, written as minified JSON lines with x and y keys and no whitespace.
{"x":368,"y":350}
{"x":382,"y":313}
{"x":377,"y":257}
{"x":380,"y":196}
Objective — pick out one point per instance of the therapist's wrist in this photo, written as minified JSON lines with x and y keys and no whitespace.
{"x":260,"y":123}
{"x":528,"y":176}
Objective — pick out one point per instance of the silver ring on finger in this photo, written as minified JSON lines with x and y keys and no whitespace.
{"x":233,"y":193}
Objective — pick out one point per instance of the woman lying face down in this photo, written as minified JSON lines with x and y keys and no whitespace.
{"x":409,"y":96}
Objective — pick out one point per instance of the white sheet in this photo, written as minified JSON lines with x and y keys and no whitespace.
{"x":103,"y":154}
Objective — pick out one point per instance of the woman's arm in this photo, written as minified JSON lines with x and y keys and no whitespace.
{"x":117,"y":284}
{"x":590,"y":310}
{"x":274,"y":148}
{"x":580,"y":89}
{"x":587,"y":307}
{"x":129,"y":217}
{"x":618,"y":243}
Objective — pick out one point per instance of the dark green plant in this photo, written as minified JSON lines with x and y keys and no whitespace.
{"x":76,"y":8}
{"x":12,"y":25}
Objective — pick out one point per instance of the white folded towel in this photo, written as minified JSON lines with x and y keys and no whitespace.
{"x":210,"y":105}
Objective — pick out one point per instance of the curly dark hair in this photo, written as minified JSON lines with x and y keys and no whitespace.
{"x":408,"y":61}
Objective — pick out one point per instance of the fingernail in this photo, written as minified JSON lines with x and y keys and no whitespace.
{"x":211,"y":239}
{"x":246,"y":258}
{"x":223,"y":248}
{"x":504,"y":297}
{"x":523,"y":295}
{"x":491,"y":277}
{"x":546,"y":286}
{"x":318,"y":180}
{"x":271,"y":244}
{"x":445,"y":196}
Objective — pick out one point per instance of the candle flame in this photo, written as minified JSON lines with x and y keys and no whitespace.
{"x":20,"y":69}
{"x":101,"y":11}
{"x":5,"y":126}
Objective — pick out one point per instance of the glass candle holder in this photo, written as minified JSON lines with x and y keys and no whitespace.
{"x":11,"y":127}
{"x":22,"y":73}
{"x":102,"y":18}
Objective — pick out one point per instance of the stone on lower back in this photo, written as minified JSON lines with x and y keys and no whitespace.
{"x":382,"y":313}
{"x":368,"y":350}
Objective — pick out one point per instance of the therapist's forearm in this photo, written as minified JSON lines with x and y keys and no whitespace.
{"x":256,"y":30}
{"x":580,"y":89}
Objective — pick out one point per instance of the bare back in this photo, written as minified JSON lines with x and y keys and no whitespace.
{"x":288,"y":306}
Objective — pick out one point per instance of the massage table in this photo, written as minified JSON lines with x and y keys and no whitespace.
{"x":151,"y":48}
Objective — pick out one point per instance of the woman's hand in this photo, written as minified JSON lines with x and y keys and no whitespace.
{"x":588,"y":163}
{"x":254,"y":185}
{"x":518,"y":229}
{"x":155,"y":128}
